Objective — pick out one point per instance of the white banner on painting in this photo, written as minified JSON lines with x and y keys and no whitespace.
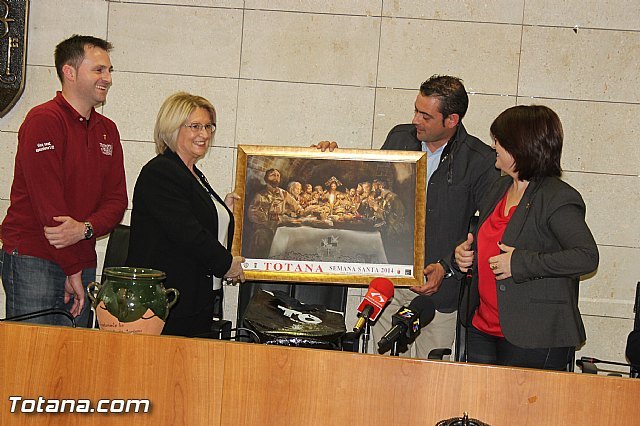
{"x":337,"y":268}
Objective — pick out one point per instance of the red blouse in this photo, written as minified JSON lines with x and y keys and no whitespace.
{"x":490,"y":233}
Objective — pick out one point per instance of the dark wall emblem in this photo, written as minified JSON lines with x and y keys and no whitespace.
{"x":13,"y":51}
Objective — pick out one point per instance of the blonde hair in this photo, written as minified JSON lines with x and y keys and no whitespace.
{"x":172,"y":116}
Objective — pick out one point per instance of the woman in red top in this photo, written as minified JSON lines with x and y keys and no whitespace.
{"x":530,"y":250}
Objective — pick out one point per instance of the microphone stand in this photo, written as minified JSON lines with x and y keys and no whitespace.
{"x":394,"y":349}
{"x":366,"y":335}
{"x":588,"y":365}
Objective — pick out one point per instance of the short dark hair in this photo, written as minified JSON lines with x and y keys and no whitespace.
{"x":533,"y":136}
{"x":451,"y":93}
{"x":71,"y":51}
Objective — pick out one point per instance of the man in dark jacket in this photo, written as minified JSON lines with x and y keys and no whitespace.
{"x":460,"y":167}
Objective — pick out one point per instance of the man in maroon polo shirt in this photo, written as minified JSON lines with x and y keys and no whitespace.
{"x":68,"y":188}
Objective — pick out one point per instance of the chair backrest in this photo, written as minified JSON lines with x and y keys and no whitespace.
{"x":632,"y":349}
{"x":636,"y":308}
{"x":635,"y":369}
{"x":117,"y":247}
{"x":116,"y":254}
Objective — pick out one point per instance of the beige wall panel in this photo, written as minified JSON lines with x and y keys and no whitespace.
{"x":485,"y":56}
{"x":218,"y":167}
{"x":504,"y":11}
{"x":175,"y":39}
{"x":354,"y":297}
{"x":618,"y":14}
{"x":352,"y":7}
{"x":592,"y":64}
{"x":230,"y":308}
{"x":611,"y":290}
{"x":395,"y":106}
{"x":612,"y":205}
{"x":593,"y":141}
{"x":41,"y":86}
{"x":205,"y":3}
{"x":351,"y":311}
{"x":606,"y":339}
{"x":4,"y":205}
{"x":483,"y":109}
{"x":357,"y":292}
{"x":127,"y":217}
{"x":8,"y":147}
{"x":51,"y":21}
{"x":306,"y":47}
{"x":293,"y":114}
{"x":134,"y":102}
{"x":101,"y":250}
{"x":136,"y":155}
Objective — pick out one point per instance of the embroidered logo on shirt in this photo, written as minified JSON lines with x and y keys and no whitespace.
{"x":44,"y":146}
{"x":106,"y":148}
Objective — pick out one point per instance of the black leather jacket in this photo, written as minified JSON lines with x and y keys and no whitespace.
{"x":466,"y":170}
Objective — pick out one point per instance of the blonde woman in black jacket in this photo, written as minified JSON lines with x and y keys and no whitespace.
{"x":179,"y":224}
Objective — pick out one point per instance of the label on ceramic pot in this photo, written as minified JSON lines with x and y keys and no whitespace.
{"x":150,"y":323}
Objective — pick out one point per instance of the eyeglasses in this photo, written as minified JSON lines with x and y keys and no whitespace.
{"x":197,"y":127}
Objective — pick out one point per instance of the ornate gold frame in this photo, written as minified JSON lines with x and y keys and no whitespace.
{"x":280,"y":155}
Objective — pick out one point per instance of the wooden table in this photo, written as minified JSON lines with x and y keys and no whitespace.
{"x":207,"y":382}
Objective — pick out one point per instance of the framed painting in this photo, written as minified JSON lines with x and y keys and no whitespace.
{"x":342,"y":217}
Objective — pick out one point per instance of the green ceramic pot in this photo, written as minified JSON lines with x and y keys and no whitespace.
{"x":128,"y":293}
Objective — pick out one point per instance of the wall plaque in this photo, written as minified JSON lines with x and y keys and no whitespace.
{"x":13,"y":51}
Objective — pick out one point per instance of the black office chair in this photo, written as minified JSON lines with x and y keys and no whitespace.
{"x":118,"y":250}
{"x":117,"y":247}
{"x":589,"y":364}
{"x":633,"y":341}
{"x":633,"y":353}
{"x":116,"y":254}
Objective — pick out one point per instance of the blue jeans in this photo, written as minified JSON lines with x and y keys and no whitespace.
{"x":483,"y":348}
{"x":32,"y":284}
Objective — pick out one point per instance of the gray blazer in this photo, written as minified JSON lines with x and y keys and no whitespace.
{"x":538,"y":305}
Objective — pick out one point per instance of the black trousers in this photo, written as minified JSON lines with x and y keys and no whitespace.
{"x":483,"y":348}
{"x":197,"y":324}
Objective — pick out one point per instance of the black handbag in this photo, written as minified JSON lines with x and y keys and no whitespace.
{"x":282,"y":320}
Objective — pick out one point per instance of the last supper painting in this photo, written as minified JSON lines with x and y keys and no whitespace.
{"x":330,"y":217}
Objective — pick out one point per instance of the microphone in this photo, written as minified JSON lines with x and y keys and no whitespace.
{"x":378,"y":294}
{"x":408,"y":321}
{"x":596,"y":361}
